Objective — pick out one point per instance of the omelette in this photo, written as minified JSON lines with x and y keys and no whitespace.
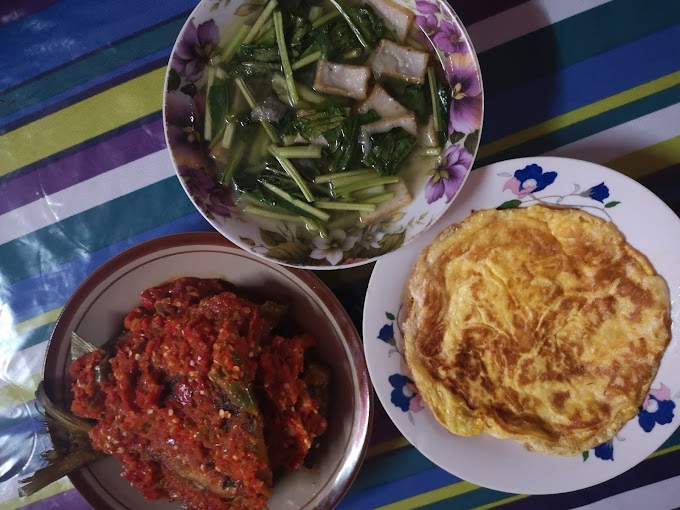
{"x":537,"y":324}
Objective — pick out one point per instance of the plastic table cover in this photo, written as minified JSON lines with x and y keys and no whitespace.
{"x":84,"y":174}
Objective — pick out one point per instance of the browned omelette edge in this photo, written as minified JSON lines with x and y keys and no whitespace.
{"x":416,"y":322}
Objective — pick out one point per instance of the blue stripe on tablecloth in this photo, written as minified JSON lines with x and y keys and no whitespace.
{"x":581,"y":84}
{"x":88,"y":68}
{"x":396,"y":490}
{"x":30,"y":297}
{"x":71,"y":29}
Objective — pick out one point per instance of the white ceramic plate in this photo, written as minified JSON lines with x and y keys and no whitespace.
{"x":96,"y":312}
{"x":648,"y":224}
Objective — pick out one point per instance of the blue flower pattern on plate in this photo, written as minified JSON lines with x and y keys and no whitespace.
{"x":599,"y":192}
{"x":399,"y":397}
{"x":657,"y":409}
{"x":526,"y":182}
{"x":386,"y":334}
{"x":530,"y":179}
{"x":605,"y":451}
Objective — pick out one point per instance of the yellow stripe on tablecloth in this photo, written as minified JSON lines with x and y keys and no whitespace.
{"x":648,"y":160}
{"x":578,"y":115}
{"x":58,"y":487}
{"x":13,"y":395}
{"x":38,"y":321}
{"x":426,"y":498}
{"x":75,"y":124}
{"x":500,"y":502}
{"x":665,"y":451}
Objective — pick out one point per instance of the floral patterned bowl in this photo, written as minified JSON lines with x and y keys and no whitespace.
{"x":208,"y":27}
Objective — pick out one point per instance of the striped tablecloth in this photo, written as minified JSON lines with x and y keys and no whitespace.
{"x":84,"y":174}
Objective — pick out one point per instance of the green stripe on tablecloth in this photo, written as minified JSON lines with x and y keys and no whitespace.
{"x":93,"y":229}
{"x":556,"y":132}
{"x":580,"y":37}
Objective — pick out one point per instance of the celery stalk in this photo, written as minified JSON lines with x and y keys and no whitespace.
{"x":293,"y":173}
{"x":265,"y":213}
{"x":436,"y":114}
{"x":235,"y":44}
{"x":236,"y":155}
{"x":344,"y":206}
{"x":322,"y":20}
{"x":207,"y":127}
{"x":285,"y":62}
{"x":312,"y":57}
{"x":344,"y":221}
{"x":315,"y":226}
{"x":318,"y":213}
{"x":248,"y":95}
{"x":367,"y":183}
{"x":300,"y":152}
{"x":228,"y":137}
{"x":380,"y":198}
{"x":308,"y":94}
{"x":340,"y":175}
{"x":261,"y":20}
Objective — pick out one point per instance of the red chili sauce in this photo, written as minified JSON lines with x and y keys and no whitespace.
{"x":198,"y":401}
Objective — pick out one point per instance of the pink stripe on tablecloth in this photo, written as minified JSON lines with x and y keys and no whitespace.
{"x":82,"y":165}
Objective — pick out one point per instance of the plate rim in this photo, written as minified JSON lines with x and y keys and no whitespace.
{"x":365,"y":413}
{"x":439,"y":226}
